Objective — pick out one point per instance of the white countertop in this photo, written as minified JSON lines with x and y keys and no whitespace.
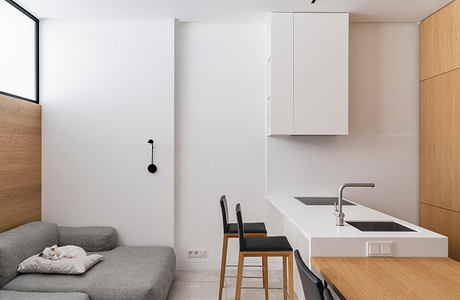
{"x":318,"y":221}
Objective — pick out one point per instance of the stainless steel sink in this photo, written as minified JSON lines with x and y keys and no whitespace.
{"x":321,"y":201}
{"x":378,"y":226}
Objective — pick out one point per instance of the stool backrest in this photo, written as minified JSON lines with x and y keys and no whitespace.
{"x":224,"y":209}
{"x":239,"y":218}
{"x":312,"y":285}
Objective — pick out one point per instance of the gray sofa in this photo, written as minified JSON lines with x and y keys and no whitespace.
{"x":125,"y":273}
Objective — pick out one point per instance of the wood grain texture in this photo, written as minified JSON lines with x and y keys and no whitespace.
{"x":454,"y":239}
{"x":440,"y":42}
{"x":20,"y":162}
{"x":435,"y":219}
{"x":391,"y":278}
{"x":440,"y":124}
{"x":445,"y":222}
{"x":440,"y":141}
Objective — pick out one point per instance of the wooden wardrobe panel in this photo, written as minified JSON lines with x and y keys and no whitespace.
{"x":435,"y":219}
{"x":439,"y":220}
{"x":440,"y":42}
{"x":440,"y":141}
{"x":454,"y":237}
{"x":20,"y":162}
{"x":444,"y":222}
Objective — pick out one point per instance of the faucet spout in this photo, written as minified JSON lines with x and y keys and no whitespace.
{"x":341,"y":215}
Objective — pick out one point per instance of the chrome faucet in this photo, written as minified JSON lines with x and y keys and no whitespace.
{"x":340,"y":214}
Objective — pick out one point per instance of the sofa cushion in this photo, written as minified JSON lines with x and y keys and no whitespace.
{"x":133,"y":273}
{"x":22,"y":242}
{"x":90,"y":238}
{"x":13,"y":295}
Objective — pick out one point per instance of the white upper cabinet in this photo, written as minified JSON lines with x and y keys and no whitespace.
{"x":281,"y":74}
{"x":308,"y":74}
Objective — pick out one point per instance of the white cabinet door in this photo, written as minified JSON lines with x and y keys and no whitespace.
{"x":320,"y":73}
{"x":280,"y":97}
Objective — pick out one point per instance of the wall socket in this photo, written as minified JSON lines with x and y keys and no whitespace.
{"x":379,"y":248}
{"x":197,"y":253}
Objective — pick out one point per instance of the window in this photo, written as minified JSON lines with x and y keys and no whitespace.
{"x":18,"y":52}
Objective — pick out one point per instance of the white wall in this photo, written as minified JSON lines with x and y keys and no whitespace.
{"x":106,"y":88}
{"x":220,"y":134}
{"x":383,"y":143}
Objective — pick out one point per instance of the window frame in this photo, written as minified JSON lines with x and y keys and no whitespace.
{"x":37,"y":63}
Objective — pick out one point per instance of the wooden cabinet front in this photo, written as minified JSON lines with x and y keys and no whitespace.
{"x":440,"y":141}
{"x":440,"y":42}
{"x":440,"y":124}
{"x":444,"y":222}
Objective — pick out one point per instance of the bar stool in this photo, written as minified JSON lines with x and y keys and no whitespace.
{"x":263,"y":246}
{"x":231,"y":231}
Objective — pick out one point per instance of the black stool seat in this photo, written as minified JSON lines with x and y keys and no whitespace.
{"x":248,"y":228}
{"x":266,"y":243}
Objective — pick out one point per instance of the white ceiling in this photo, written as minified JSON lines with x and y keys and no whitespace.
{"x":233,"y":10}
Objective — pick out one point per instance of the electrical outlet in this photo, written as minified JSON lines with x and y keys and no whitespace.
{"x":197,"y":253}
{"x":379,"y":248}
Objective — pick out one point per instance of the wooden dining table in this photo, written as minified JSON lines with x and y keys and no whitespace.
{"x":369,"y":278}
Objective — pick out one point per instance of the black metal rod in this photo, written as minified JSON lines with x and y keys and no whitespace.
{"x":21,"y":9}
{"x":18,"y":97}
{"x":152,"y":153}
{"x":37,"y":61}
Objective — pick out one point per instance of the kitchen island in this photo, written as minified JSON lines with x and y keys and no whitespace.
{"x":312,"y":229}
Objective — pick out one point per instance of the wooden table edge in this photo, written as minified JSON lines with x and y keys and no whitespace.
{"x":316,"y":261}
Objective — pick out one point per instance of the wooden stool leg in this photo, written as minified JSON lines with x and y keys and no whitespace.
{"x":239,"y":277}
{"x":291,"y":277}
{"x":265,"y":275}
{"x":223,"y":264}
{"x":285,"y":277}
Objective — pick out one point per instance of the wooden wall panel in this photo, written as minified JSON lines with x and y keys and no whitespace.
{"x":454,"y":237}
{"x":440,"y":124}
{"x":440,"y":141}
{"x":435,"y":219}
{"x":440,"y":42}
{"x":20,"y":162}
{"x":445,"y":222}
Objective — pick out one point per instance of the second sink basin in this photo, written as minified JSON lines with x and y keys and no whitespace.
{"x":378,"y":226}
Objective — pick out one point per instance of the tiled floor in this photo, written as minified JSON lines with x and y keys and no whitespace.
{"x":204,"y":285}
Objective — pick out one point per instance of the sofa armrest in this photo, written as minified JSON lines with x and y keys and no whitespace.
{"x":91,"y":238}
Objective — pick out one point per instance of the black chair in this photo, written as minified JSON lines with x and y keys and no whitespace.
{"x":264,"y":247}
{"x":313,"y":288}
{"x":327,"y":294}
{"x":231,"y":231}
